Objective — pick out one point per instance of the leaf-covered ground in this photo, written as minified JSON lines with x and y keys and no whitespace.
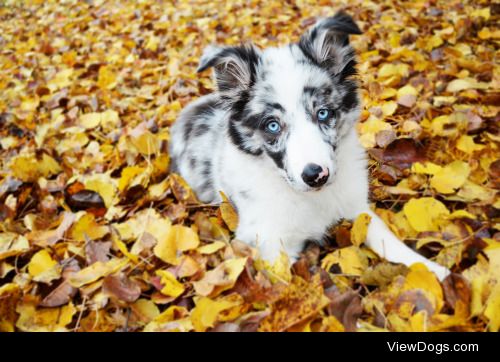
{"x":97,"y":235}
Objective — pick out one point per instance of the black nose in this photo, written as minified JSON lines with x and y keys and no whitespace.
{"x":314,"y":175}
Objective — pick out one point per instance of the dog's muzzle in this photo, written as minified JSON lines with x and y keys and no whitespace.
{"x":315,"y":175}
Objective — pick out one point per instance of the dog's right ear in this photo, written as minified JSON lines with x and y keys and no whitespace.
{"x":327,"y":44}
{"x":235,"y":68}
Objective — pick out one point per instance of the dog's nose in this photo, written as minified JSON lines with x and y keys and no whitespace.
{"x":315,"y":175}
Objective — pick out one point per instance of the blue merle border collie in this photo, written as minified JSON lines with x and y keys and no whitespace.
{"x":278,"y":138}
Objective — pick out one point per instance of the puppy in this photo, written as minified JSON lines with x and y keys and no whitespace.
{"x":278,"y":138}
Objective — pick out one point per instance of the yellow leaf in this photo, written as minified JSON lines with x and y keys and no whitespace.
{"x":90,"y":120}
{"x":206,"y":312}
{"x":104,"y":185}
{"x":424,"y":214}
{"x":388,"y":93}
{"x":61,"y":80}
{"x":374,"y":125}
{"x":96,"y":271}
{"x":493,"y":252}
{"x":407,"y":96}
{"x":173,"y":319}
{"x":32,"y":319}
{"x":448,"y":125}
{"x":228,"y":213}
{"x":108,"y":120}
{"x":466,"y":144}
{"x":471,"y":191}
{"x":185,"y":238}
{"x":166,"y":248}
{"x":145,"y":310}
{"x":10,"y":294}
{"x":28,"y":168}
{"x":484,"y":33}
{"x":484,"y":12}
{"x":492,"y":310}
{"x":146,"y":143}
{"x":174,"y":239}
{"x":388,"y":70}
{"x":106,"y":78}
{"x":331,"y":324}
{"x":12,"y":244}
{"x":450,"y":177}
{"x":461,"y":213}
{"x":120,"y":245}
{"x":87,"y":228}
{"x":388,"y":108}
{"x":152,"y":43}
{"x":427,"y":168}
{"x":221,"y":278}
{"x":360,"y":228}
{"x":350,"y":259}
{"x":458,"y":85}
{"x":298,"y":302}
{"x":43,"y":268}
{"x":128,"y":174}
{"x":280,"y":270}
{"x":419,"y":277}
{"x":172,"y":287}
{"x":211,"y":248}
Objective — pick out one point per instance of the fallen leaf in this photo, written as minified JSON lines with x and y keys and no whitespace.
{"x":43,"y":268}
{"x":425,"y":214}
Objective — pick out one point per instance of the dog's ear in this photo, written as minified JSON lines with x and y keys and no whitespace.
{"x":327,"y":44}
{"x":235,"y":68}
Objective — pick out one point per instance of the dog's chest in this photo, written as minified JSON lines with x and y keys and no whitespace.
{"x":263,"y":197}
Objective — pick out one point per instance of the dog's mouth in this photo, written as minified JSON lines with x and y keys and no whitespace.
{"x":302,"y":187}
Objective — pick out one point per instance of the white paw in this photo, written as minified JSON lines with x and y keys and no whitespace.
{"x":440,"y":271}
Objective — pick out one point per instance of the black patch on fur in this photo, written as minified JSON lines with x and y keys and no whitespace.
{"x":203,"y":110}
{"x":192,"y":162}
{"x":309,"y":90}
{"x":188,"y":129}
{"x":252,"y":122}
{"x":201,"y":129}
{"x":207,"y":168}
{"x":276,"y":106}
{"x":343,"y":23}
{"x":277,"y":157}
{"x":350,"y":99}
{"x":206,"y":186}
{"x":238,"y":107}
{"x":238,"y":139}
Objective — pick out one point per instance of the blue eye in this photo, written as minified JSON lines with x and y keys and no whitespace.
{"x":273,"y":126}
{"x":323,"y":114}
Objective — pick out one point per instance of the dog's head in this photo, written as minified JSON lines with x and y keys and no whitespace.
{"x":291,"y":104}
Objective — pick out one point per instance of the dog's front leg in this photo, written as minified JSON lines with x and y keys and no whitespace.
{"x":381,"y":240}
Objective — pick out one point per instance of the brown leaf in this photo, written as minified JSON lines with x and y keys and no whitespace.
{"x":97,"y":251}
{"x":456,"y":288}
{"x":85,"y":199}
{"x":401,"y":153}
{"x":121,"y":287}
{"x":346,"y":307}
{"x":382,"y":274}
{"x":65,"y":291}
{"x":417,"y":299}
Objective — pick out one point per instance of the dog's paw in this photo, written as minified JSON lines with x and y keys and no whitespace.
{"x":440,"y":271}
{"x":272,"y":253}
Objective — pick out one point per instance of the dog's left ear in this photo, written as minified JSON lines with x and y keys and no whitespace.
{"x":327,"y":44}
